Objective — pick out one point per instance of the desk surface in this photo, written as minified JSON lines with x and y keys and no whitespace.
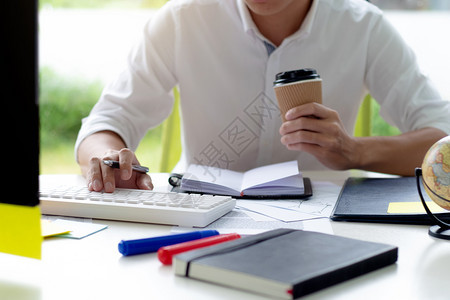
{"x":92,"y":268}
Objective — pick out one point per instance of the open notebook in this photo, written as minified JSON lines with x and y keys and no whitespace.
{"x":282,"y":180}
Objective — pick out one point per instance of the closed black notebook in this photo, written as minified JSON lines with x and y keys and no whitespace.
{"x":368,"y":199}
{"x":285,"y":263}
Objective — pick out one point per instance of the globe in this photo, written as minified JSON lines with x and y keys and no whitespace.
{"x":436,"y":173}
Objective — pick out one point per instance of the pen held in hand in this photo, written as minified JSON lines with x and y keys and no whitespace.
{"x":115,"y":164}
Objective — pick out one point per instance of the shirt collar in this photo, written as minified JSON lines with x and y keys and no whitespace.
{"x":246,"y":18}
{"x":250,"y":27}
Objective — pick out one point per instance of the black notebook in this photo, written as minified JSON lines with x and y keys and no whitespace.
{"x":285,"y":263}
{"x":369,"y":200}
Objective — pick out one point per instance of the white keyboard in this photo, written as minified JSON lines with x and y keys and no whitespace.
{"x":191,"y":210}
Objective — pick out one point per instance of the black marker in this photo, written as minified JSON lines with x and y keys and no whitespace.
{"x":115,"y":164}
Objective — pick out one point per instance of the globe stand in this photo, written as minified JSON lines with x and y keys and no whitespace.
{"x":439,"y":232}
{"x":440,"y":229}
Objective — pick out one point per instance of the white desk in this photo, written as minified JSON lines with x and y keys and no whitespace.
{"x":92,"y":268}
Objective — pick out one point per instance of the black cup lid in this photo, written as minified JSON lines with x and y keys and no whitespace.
{"x":295,"y":75}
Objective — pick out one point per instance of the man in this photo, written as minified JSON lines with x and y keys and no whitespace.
{"x":224,"y":54}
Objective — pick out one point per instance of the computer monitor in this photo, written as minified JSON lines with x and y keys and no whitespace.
{"x":19,"y":102}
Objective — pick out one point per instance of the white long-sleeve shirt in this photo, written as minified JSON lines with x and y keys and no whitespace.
{"x":224,"y":69}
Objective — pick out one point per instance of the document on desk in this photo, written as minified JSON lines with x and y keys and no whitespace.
{"x":320,"y":205}
{"x":256,"y":216}
{"x":239,"y":222}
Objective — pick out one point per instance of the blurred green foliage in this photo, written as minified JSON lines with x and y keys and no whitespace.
{"x":63,"y":102}
{"x":379,"y":126}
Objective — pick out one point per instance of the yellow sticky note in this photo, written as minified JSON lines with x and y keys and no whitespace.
{"x":20,"y":230}
{"x":412,"y":207}
{"x":49,"y":229}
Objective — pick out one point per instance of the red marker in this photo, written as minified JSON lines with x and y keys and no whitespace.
{"x":165,"y":254}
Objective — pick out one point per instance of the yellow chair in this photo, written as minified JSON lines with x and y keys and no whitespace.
{"x":363,"y":126}
{"x":171,"y":138}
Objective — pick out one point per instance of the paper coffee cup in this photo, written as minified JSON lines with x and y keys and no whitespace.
{"x":294,"y":88}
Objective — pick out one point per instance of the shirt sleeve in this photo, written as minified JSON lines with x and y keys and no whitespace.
{"x":141,"y":96}
{"x":408,"y":99}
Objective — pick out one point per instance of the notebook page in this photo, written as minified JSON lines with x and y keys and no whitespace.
{"x":223,"y":177}
{"x":269,"y":173}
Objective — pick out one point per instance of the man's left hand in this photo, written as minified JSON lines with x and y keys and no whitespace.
{"x":318,"y":130}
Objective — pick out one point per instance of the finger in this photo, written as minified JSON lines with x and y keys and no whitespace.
{"x":298,"y":137}
{"x":126,"y":158}
{"x":313,"y":149}
{"x":109,"y":182}
{"x":302,"y":123}
{"x":94,"y":175}
{"x":312,"y":109}
{"x":306,"y":137}
{"x":144,"y":182}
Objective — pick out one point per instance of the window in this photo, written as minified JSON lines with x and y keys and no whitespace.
{"x":82,"y":44}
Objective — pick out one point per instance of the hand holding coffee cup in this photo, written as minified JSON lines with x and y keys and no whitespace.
{"x":294,"y":88}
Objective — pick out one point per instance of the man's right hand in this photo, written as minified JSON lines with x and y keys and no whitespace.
{"x":102,"y":177}
{"x":99,"y":176}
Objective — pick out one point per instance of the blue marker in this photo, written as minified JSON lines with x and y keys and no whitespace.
{"x":132,"y":247}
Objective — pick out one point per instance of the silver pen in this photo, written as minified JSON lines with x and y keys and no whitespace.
{"x":115,"y":164}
